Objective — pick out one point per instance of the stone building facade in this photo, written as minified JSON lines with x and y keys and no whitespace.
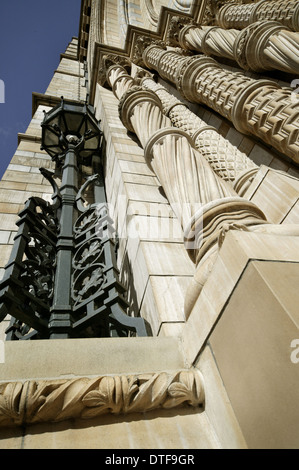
{"x":199,"y":110}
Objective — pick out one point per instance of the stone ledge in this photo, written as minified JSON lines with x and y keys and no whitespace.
{"x":69,"y":358}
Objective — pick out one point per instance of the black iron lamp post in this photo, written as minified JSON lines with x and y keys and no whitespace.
{"x":70,"y":135}
{"x":62,"y":279}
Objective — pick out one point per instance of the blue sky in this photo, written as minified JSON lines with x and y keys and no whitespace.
{"x":33,"y":34}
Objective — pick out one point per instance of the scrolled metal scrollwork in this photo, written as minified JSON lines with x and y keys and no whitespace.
{"x":88,"y":283}
{"x":26,"y":290}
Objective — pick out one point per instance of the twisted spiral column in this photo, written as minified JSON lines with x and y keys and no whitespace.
{"x":202,"y":202}
{"x":210,"y":40}
{"x":263,"y":45}
{"x":267,"y":45}
{"x":119,"y":80}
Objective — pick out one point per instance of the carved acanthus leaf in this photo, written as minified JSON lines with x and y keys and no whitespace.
{"x":175,"y":25}
{"x":107,"y":61}
{"x":58,"y":400}
{"x":141,"y":43}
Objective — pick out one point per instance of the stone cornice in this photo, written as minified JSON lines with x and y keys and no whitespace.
{"x":197,"y":13}
{"x":37,"y":401}
{"x":41,"y":99}
{"x":133,"y":34}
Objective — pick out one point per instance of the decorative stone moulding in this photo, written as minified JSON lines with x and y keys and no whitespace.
{"x":263,"y":45}
{"x":40,"y":401}
{"x":267,"y":45}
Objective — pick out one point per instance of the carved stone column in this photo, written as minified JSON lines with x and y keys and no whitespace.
{"x":235,"y":96}
{"x":119,"y":80}
{"x":267,"y":45}
{"x":187,"y":179}
{"x":202,"y":202}
{"x":141,"y":113}
{"x":209,"y":40}
{"x":224,"y":158}
{"x":240,"y":16}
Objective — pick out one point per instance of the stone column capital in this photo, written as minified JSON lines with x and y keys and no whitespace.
{"x":176,"y":24}
{"x":107,"y":62}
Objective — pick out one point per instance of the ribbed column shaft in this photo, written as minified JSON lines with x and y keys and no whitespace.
{"x":202,"y":202}
{"x":119,"y":80}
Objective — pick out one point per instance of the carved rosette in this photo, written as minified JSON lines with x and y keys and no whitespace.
{"x":38,"y":401}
